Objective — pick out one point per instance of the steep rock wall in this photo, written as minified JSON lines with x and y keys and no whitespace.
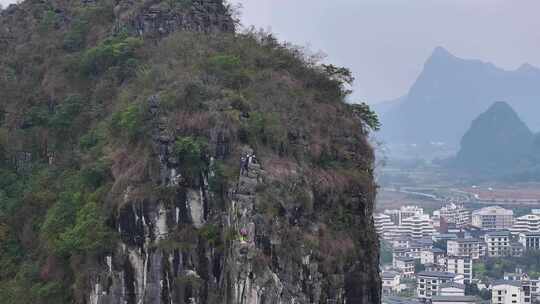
{"x":250,"y":267}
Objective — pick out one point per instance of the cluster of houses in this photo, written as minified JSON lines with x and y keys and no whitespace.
{"x":436,"y":253}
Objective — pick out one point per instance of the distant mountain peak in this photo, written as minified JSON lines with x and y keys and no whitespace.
{"x":526,"y":68}
{"x":501,"y":106}
{"x":496,"y":140}
{"x":451,"y":92}
{"x":442,"y":52}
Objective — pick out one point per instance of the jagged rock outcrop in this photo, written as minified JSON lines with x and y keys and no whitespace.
{"x":158,"y":19}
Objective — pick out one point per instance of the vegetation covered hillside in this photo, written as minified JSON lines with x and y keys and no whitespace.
{"x":499,"y":146}
{"x":496,"y":141}
{"x":151,"y":154}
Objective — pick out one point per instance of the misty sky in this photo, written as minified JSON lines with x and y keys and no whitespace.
{"x":385,"y":42}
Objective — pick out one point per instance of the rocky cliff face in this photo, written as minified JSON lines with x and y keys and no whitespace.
{"x":183,"y":162}
{"x":257,"y":262}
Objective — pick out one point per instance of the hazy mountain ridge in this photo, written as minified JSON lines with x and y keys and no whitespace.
{"x":450,"y":92}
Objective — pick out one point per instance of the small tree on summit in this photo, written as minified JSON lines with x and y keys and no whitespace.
{"x":366,"y":115}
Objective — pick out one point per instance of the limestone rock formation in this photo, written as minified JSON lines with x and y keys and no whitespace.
{"x":149,"y":154}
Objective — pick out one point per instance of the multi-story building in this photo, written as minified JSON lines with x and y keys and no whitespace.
{"x":391,"y":282}
{"x":528,"y":284}
{"x":460,"y":265}
{"x":410,"y":211}
{"x":444,"y":237}
{"x":431,"y":256}
{"x":405,"y":265}
{"x":530,"y":240}
{"x":401,"y":242}
{"x":418,"y":226}
{"x":508,"y":292}
{"x":383,"y":224}
{"x":526,"y":223}
{"x":400,"y":253}
{"x":397,"y":215}
{"x":428,"y":283}
{"x":436,"y":266}
{"x":393,"y":232}
{"x":534,"y":284}
{"x":498,"y":243}
{"x":456,"y":214}
{"x":472,"y":247}
{"x":493,"y":217}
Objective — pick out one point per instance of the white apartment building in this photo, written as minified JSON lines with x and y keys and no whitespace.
{"x":397,"y":215}
{"x":498,"y":243}
{"x":530,"y":240}
{"x":400,"y":253}
{"x":401,"y":242}
{"x":394,"y":214}
{"x":418,"y":226}
{"x":431,"y":256}
{"x":408,"y":211}
{"x":460,"y":265}
{"x":383,"y":224}
{"x":529,"y":286}
{"x":507,"y":292}
{"x":405,"y":265}
{"x":428,"y":283}
{"x":427,"y":257}
{"x":493,"y":217}
{"x":391,"y":282}
{"x":456,"y":214}
{"x":526,"y":223}
{"x":473,"y":248}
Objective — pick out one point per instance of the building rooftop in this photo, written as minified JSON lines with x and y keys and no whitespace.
{"x":437,"y":274}
{"x":403,"y":239}
{"x":397,"y":250}
{"x":466,"y":240}
{"x":398,"y":300}
{"x":389,"y":274}
{"x":453,"y":284}
{"x":493,"y":210}
{"x":462,"y":257}
{"x":530,"y":217}
{"x":454,"y":299}
{"x":424,"y":241}
{"x":406,"y":259}
{"x":498,"y":233}
{"x":506,"y":282}
{"x":530,"y":234}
